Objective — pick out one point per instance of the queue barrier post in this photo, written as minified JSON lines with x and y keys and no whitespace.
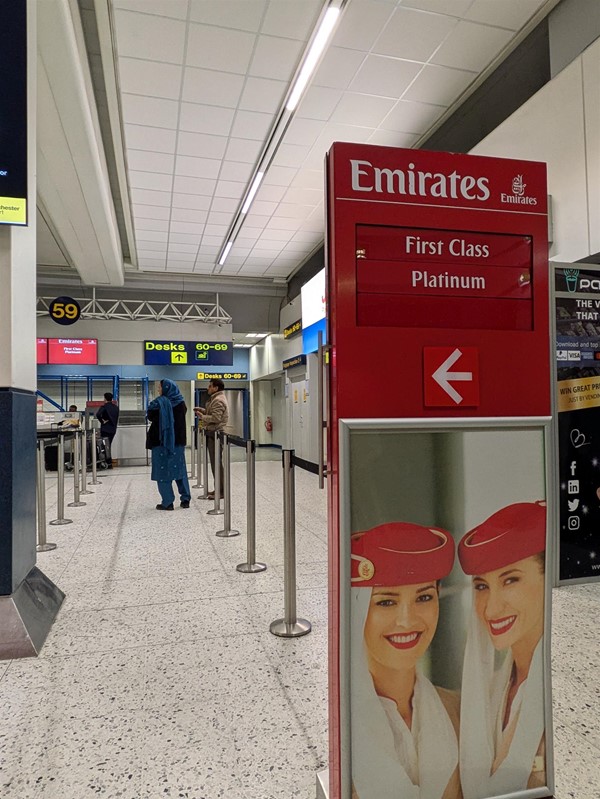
{"x":193,"y":453}
{"x":60,"y":502}
{"x":217,"y":510}
{"x":42,"y":544}
{"x":290,"y":626}
{"x":251,"y":566}
{"x":83,"y":455}
{"x":95,"y":480}
{"x":199,"y":456}
{"x":204,"y":494}
{"x":226,"y":532}
{"x":76,"y":464}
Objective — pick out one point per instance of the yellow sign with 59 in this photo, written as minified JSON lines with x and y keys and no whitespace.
{"x":64,"y":310}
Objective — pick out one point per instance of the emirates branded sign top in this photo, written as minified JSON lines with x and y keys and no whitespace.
{"x":388,"y":174}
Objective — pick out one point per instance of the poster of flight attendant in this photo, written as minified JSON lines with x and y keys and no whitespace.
{"x":445,"y":535}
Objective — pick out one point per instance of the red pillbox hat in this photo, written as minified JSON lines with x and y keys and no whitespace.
{"x":400,"y":553}
{"x":511,"y":534}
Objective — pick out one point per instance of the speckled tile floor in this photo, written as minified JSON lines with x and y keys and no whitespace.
{"x":160,"y":678}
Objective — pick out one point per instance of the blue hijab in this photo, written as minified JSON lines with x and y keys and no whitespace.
{"x":170,"y":397}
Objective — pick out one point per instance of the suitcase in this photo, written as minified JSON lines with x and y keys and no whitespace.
{"x":103,"y":458}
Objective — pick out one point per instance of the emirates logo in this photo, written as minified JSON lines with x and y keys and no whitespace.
{"x":518,"y":187}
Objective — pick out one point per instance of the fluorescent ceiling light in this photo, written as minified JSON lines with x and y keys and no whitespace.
{"x":252,"y":192}
{"x":223,"y":258}
{"x":313,"y":56}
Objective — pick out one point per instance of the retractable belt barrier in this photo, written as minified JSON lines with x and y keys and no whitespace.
{"x":60,"y":504}
{"x":76,"y":466}
{"x":290,"y":626}
{"x":217,"y":510}
{"x":204,"y":494}
{"x":83,"y":456}
{"x":251,"y":566}
{"x":42,"y":545}
{"x":226,"y":532}
{"x":193,"y":454}
{"x":200,"y":444}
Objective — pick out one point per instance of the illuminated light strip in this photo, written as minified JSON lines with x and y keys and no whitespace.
{"x":313,"y":56}
{"x":253,"y":189}
{"x":223,"y":258}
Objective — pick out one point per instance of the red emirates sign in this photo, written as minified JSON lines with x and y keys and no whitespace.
{"x":451,"y":377}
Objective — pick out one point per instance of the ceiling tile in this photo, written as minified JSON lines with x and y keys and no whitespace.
{"x":189,"y":248}
{"x":338,"y":67}
{"x":471,"y":46}
{"x":141,"y":137}
{"x":174,"y":8}
{"x":453,"y":8}
{"x":242,"y":14}
{"x":230,"y":188}
{"x":319,"y":102}
{"x":217,"y":218}
{"x":263,"y":207}
{"x":146,"y":36}
{"x":386,"y":77}
{"x":206,"y":119}
{"x":275,"y":58}
{"x":199,"y":203}
{"x":392,"y":138}
{"x":270,"y":193}
{"x":296,"y":246}
{"x":407,"y":117}
{"x":152,"y":235}
{"x":151,"y":264}
{"x":197,"y":167}
{"x":303,"y":131}
{"x":279,"y":176}
{"x":217,"y":241}
{"x":303,"y":196}
{"x":252,"y":125}
{"x":220,"y":49}
{"x":150,"y":197}
{"x":150,"y":77}
{"x":233,"y":170}
{"x":180,"y":256}
{"x":413,"y":35}
{"x":190,"y":228}
{"x":211,"y":87}
{"x":262,"y":94}
{"x":150,"y":162}
{"x":255,"y":223}
{"x":189,"y":215}
{"x":310,"y":179}
{"x":227,"y":204}
{"x":150,"y":180}
{"x":185,"y":238}
{"x":439,"y":85}
{"x":291,"y":155}
{"x":243,"y":150}
{"x":152,"y":111}
{"x":511,"y":14}
{"x":216,"y":230}
{"x":187,"y":185}
{"x":150,"y":211}
{"x":201,"y":144}
{"x":179,"y":266}
{"x":363,"y":109}
{"x":292,"y":20}
{"x":361,"y":23}
{"x":278,"y":234}
{"x":294,"y":211}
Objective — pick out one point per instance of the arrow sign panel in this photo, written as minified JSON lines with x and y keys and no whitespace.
{"x":451,"y":377}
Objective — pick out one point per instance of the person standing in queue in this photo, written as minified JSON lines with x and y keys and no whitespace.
{"x":214,"y":418}
{"x":108,"y":416}
{"x":167,"y":439}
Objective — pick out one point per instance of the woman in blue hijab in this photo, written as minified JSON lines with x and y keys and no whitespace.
{"x":167,"y":440}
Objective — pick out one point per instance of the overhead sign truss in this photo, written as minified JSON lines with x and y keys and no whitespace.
{"x":144,"y":310}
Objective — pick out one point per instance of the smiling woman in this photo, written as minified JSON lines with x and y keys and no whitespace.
{"x":502,"y":717}
{"x":404,"y":729}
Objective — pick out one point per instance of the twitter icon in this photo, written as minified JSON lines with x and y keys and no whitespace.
{"x":573,"y":504}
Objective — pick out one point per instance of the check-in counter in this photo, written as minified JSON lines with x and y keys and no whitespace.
{"x":129,"y":444}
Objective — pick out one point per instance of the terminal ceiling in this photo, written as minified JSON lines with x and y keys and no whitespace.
{"x":154,"y":117}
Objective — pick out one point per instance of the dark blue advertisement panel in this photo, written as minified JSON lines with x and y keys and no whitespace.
{"x":188,"y":353}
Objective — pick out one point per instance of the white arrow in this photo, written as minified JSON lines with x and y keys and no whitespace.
{"x":443,"y":377}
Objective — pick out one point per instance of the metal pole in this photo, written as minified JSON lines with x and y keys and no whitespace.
{"x":227,"y":532}
{"x":42,"y":544}
{"x":320,"y":359}
{"x":290,"y":626}
{"x":204,"y":494}
{"x":199,"y":445}
{"x":193,"y":453}
{"x":251,"y":566}
{"x":95,"y":480}
{"x":76,"y":463}
{"x":217,"y":510}
{"x":83,"y":455}
{"x":60,"y":488}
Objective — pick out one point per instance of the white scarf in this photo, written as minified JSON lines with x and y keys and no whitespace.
{"x":381,"y":742}
{"x":483,"y":703}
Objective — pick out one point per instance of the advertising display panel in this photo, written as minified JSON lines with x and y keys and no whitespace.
{"x":314,"y":312}
{"x":577,"y":321}
{"x":447,"y":608}
{"x":82,"y":351}
{"x":42,"y":350}
{"x":438,"y":330}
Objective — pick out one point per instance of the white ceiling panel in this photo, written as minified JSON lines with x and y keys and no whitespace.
{"x":361,"y":24}
{"x":153,"y":235}
{"x":233,"y":170}
{"x":413,"y":35}
{"x":221,"y":49}
{"x":177,"y":9}
{"x":149,"y":197}
{"x":291,"y":19}
{"x":149,"y":36}
{"x":279,"y":176}
{"x":212,"y":88}
{"x":150,"y":77}
{"x":201,"y":144}
{"x":319,"y":102}
{"x":303,"y":131}
{"x":454,"y":8}
{"x":138,"y":110}
{"x":512,"y":14}
{"x":217,"y":241}
{"x":408,"y":117}
{"x":275,"y":58}
{"x":262,"y":94}
{"x":151,"y":162}
{"x":252,"y":125}
{"x":194,"y":201}
{"x":225,"y":204}
{"x":365,"y":109}
{"x":218,"y":218}
{"x":230,"y":188}
{"x":243,"y":150}
{"x":291,"y":155}
{"x":187,"y":185}
{"x":151,"y":212}
{"x":391,"y":138}
{"x":310,"y":179}
{"x":181,"y":256}
{"x":189,"y":248}
{"x":387,"y":77}
{"x":206,"y":119}
{"x":140,"y":137}
{"x":188,"y":215}
{"x":191,"y":228}
{"x":215,"y":230}
{"x":242,"y":14}
{"x":338,"y":67}
{"x":438,"y":85}
{"x":263,"y":208}
{"x":197,"y":167}
{"x":184,"y":238}
{"x":471,"y":46}
{"x":150,"y":180}
{"x":152,"y":264}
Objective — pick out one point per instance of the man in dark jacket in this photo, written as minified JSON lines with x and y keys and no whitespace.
{"x":108,"y":415}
